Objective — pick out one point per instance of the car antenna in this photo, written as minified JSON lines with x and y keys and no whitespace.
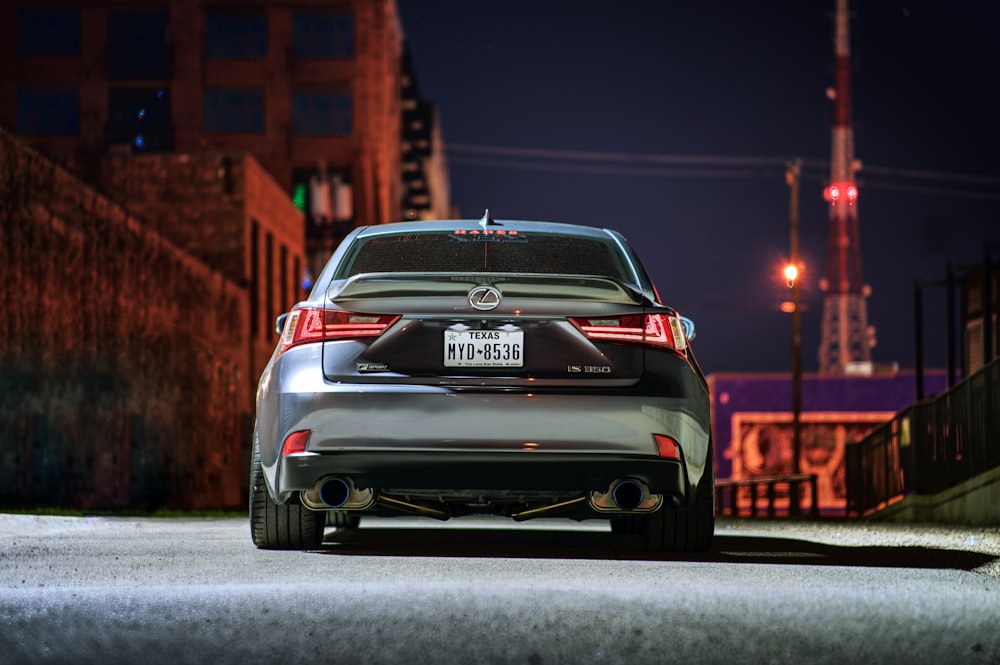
{"x":487,"y":220}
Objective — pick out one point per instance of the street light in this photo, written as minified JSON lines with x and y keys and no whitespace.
{"x":791,"y":273}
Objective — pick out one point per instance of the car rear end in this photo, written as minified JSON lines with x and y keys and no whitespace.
{"x":513,"y":368}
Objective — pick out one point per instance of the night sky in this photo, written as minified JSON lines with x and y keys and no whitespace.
{"x":672,"y":121}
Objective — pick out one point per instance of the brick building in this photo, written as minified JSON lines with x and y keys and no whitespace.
{"x":311,"y":88}
{"x":426,"y":188}
{"x":979,"y":302}
{"x":227,"y":212}
{"x":128,"y":362}
{"x":191,"y":161}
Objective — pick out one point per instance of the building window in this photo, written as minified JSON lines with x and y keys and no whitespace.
{"x":297,"y":274}
{"x":323,"y":35}
{"x":140,"y":117}
{"x":48,"y":111}
{"x":287,"y":293}
{"x":48,"y":32}
{"x":254,"y":279}
{"x":235,"y":35}
{"x":321,"y":113}
{"x":138,"y":45}
{"x":233,"y":110}
{"x":269,"y":309}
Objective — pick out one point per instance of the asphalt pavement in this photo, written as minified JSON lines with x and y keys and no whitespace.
{"x":411,"y":591}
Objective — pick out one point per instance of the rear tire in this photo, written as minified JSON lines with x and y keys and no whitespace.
{"x":280,"y":526}
{"x":342,"y":521}
{"x":688,"y":529}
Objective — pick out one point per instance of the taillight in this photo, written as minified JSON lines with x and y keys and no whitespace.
{"x":296,"y":442}
{"x":656,"y":330}
{"x":324,"y":325}
{"x":667,"y":447}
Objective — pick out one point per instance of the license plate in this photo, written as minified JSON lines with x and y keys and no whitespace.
{"x":483,"y":348}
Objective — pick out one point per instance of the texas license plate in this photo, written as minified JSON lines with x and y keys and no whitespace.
{"x":483,"y":348}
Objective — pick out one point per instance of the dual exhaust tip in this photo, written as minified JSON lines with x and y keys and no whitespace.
{"x":338,"y":492}
{"x":335,"y":492}
{"x":626,"y":495}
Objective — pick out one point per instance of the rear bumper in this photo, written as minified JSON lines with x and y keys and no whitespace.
{"x":402,"y":473}
{"x":522,"y":486}
{"x":410,"y":437}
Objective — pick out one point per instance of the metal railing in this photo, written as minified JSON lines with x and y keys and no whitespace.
{"x":789,"y":503}
{"x":929,"y":446}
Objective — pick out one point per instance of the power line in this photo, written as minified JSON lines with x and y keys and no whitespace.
{"x":622,"y":170}
{"x":930,"y":191}
{"x":702,"y":166}
{"x":966,"y":178}
{"x":646,"y":158}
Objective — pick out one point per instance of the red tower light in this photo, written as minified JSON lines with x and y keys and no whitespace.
{"x":837,"y":191}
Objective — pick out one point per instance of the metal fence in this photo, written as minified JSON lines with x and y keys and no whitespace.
{"x":742,"y":497}
{"x":929,"y":446}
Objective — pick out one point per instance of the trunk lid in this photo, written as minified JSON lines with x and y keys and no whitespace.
{"x":484,"y":330}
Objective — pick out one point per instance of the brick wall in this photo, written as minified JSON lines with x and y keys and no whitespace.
{"x":195,"y":202}
{"x":124,"y":361}
{"x":227,"y":211}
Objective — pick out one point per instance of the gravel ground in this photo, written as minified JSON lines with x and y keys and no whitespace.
{"x":978,"y":539}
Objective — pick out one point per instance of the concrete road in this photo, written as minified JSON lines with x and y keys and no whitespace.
{"x":149,"y":591}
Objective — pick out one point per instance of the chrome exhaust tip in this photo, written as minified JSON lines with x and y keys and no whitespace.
{"x":334,"y":492}
{"x":337,"y":493}
{"x":625,"y":495}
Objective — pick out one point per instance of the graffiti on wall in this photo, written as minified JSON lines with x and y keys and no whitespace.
{"x":762,"y":446}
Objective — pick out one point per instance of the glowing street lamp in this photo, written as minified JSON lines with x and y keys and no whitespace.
{"x":791,"y":273}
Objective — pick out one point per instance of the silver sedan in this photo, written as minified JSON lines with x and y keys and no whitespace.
{"x":522,"y":369}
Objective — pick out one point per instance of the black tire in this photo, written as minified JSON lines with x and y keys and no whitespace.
{"x":342,"y":520}
{"x":688,"y":529}
{"x":280,"y":526}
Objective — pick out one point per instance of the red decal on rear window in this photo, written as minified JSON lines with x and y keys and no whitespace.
{"x":486,"y":232}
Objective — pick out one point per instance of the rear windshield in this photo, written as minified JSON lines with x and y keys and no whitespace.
{"x":539,"y":253}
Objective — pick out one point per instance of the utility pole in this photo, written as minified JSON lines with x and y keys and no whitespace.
{"x":793,"y":274}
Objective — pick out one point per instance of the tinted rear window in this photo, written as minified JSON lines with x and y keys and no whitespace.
{"x":520,"y":253}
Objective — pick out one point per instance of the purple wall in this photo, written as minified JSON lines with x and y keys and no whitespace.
{"x":772,"y":393}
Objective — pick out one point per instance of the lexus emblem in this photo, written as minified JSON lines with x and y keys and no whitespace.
{"x":484,"y":297}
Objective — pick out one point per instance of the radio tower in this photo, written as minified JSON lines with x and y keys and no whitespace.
{"x":846,"y":339}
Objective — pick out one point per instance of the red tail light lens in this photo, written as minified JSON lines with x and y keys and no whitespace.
{"x":667,"y":447}
{"x":323,"y":325}
{"x":296,"y":442}
{"x":656,"y":330}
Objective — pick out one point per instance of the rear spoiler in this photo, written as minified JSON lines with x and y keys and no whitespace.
{"x":521,"y":285}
